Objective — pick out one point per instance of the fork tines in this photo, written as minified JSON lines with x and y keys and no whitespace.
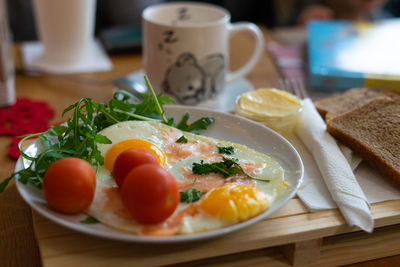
{"x":294,"y":86}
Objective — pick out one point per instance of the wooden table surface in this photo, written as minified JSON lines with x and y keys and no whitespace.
{"x":18,"y":246}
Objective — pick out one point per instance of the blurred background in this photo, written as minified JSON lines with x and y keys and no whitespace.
{"x":114,"y":15}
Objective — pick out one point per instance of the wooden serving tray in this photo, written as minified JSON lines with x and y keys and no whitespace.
{"x":292,"y":236}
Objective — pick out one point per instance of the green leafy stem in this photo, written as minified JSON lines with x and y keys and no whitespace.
{"x":79,"y":135}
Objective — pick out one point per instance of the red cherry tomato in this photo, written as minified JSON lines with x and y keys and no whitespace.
{"x":129,"y":159}
{"x":150,"y":193}
{"x":69,"y":185}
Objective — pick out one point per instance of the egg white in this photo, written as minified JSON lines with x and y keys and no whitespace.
{"x":153,"y":132}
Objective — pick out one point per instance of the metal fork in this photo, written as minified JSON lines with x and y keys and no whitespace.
{"x":294,"y":86}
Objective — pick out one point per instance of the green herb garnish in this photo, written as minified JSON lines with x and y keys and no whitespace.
{"x":200,"y":124}
{"x":79,"y":136}
{"x":191,"y":195}
{"x":90,"y":220}
{"x":229,"y":150}
{"x":182,"y":139}
{"x":226,"y":168}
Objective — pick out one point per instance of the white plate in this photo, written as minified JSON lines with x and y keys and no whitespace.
{"x":228,"y":127}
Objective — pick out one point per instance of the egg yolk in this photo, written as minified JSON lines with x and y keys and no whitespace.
{"x":120,"y":147}
{"x":234,"y":203}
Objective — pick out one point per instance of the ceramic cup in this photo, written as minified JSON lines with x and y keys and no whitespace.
{"x":186,"y":49}
{"x":66,"y":29}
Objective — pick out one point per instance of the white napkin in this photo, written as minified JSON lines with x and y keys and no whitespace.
{"x":96,"y":60}
{"x":334,"y":168}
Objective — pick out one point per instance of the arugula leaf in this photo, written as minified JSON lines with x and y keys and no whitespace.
{"x":147,"y":106}
{"x":79,"y":135}
{"x":182,"y":139}
{"x":183,"y":123}
{"x":56,"y":130}
{"x":191,"y":195}
{"x":90,"y":220}
{"x":229,"y":150}
{"x":5,"y":182}
{"x":101,"y":139}
{"x":200,"y":124}
{"x":226,"y":168}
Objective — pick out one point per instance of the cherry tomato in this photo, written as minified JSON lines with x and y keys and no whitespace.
{"x":129,"y":159}
{"x":150,"y":193}
{"x":69,"y":185}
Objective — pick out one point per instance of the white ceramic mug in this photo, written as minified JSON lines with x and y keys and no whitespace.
{"x":66,"y":29}
{"x":186,"y":49}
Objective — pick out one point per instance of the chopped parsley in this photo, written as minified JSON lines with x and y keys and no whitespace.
{"x":191,"y":195}
{"x":226,"y":168}
{"x":90,"y":220}
{"x":182,"y":139}
{"x":229,"y":150}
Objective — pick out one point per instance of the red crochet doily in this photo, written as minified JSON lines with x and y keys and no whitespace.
{"x":24,"y":117}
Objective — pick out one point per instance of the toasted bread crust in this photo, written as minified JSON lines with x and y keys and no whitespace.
{"x":373,"y":132}
{"x":346,"y":101}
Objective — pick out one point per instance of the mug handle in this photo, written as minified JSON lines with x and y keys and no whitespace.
{"x":259,"y":39}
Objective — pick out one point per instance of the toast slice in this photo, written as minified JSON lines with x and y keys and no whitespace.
{"x":373,"y":132}
{"x":340,"y":103}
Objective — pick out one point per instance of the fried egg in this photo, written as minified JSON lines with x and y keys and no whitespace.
{"x":226,"y":201}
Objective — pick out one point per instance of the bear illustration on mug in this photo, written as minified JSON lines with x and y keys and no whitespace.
{"x":191,"y":81}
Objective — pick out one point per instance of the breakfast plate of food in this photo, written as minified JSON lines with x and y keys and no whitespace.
{"x":191,"y":181}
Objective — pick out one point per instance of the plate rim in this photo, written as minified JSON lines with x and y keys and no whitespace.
{"x":129,"y":237}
